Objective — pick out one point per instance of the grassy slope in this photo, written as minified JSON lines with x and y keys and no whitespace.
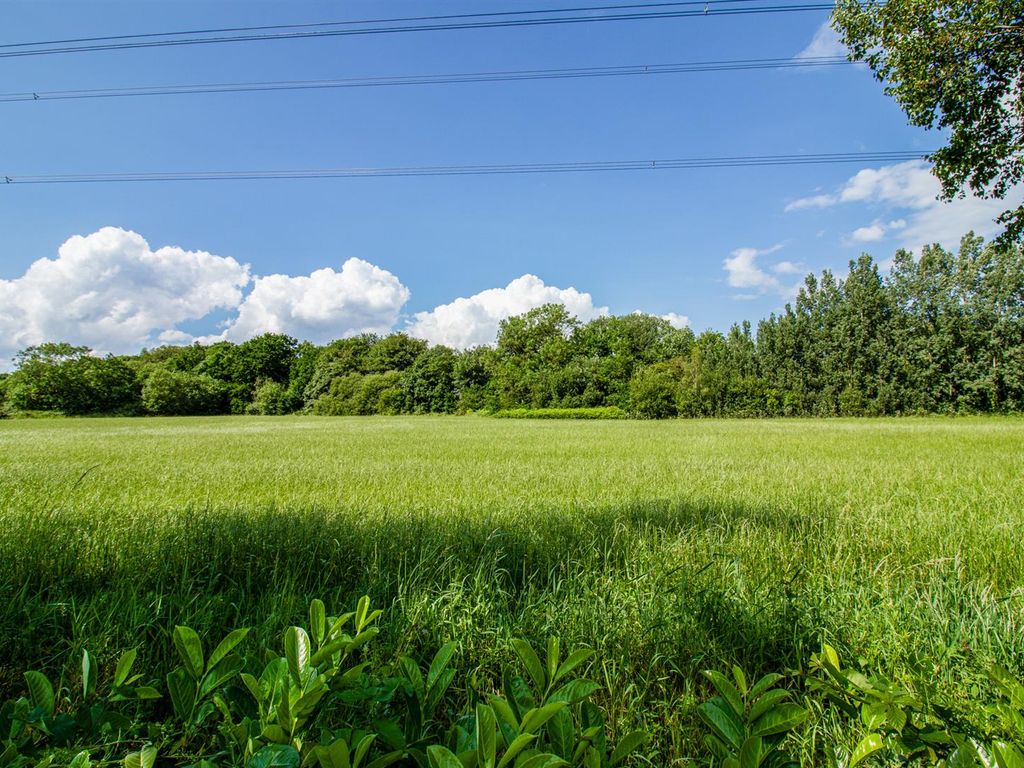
{"x":671,"y":546}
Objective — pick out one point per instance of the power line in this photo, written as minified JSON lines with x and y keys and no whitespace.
{"x":350,"y":22}
{"x":445,"y":79}
{"x":739,"y":161}
{"x":130,"y":42}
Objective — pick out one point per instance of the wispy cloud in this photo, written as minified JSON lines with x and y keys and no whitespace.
{"x":905,"y":200}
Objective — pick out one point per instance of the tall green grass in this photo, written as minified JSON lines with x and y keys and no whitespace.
{"x":670,"y":546}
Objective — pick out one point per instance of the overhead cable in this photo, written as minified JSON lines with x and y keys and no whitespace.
{"x":389,"y":26}
{"x":739,"y":161}
{"x":438,"y":79}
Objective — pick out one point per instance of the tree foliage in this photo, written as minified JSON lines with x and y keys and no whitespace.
{"x":941,"y":333}
{"x":955,"y":65}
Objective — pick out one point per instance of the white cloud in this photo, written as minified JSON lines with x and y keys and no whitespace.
{"x":321,"y":306}
{"x":825,"y":43}
{"x":817,"y":201}
{"x":743,"y":271}
{"x":912,"y":189}
{"x":876,"y":231}
{"x":676,"y":321}
{"x":472,"y":321}
{"x":869,"y":234}
{"x":786,"y":268}
{"x":110,"y":291}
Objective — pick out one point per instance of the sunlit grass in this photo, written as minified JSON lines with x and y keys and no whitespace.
{"x":670,"y":546}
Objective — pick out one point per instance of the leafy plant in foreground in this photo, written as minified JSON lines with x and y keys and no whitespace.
{"x":899,"y":723}
{"x":51,"y":720}
{"x":748,"y":724}
{"x":542,"y":721}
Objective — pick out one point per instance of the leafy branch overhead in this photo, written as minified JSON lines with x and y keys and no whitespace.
{"x":955,"y":65}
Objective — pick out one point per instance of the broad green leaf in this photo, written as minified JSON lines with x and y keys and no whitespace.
{"x":411,"y":670}
{"x":124,"y":667}
{"x":829,"y":654}
{"x":726,"y":690}
{"x":740,"y":678}
{"x":440,"y":757}
{"x":964,"y":756}
{"x":542,"y":760}
{"x":190,"y":649}
{"x":182,"y":689}
{"x":40,"y":691}
{"x":766,"y":702}
{"x":764,"y":684}
{"x":518,"y":745}
{"x":254,"y":687}
{"x":441,"y":659}
{"x":437,"y":689}
{"x":318,"y":621}
{"x":221,"y":673}
{"x":385,"y":760}
{"x":1009,"y":685}
{"x":486,"y":736}
{"x":722,"y":720}
{"x":225,"y":647}
{"x":627,"y":745}
{"x":554,"y":656}
{"x":717,"y":747}
{"x":1007,"y":755}
{"x":304,"y":707}
{"x":782,"y":718}
{"x":336,"y":755}
{"x":145,"y":758}
{"x":750,"y":753}
{"x":865,"y":748}
{"x":90,"y":674}
{"x":363,"y":638}
{"x":275,"y":734}
{"x":507,"y":722}
{"x":562,"y":734}
{"x":362,"y":748}
{"x":531,"y":661}
{"x":593,"y":723}
{"x":297,"y":652}
{"x":574,"y":659}
{"x":535,"y":718}
{"x":338,"y":623}
{"x":575,"y":691}
{"x":81,"y":760}
{"x":275,"y":756}
{"x":873,"y":715}
{"x":362,"y":610}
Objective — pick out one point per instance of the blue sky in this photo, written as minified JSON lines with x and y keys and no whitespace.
{"x":713,"y":245}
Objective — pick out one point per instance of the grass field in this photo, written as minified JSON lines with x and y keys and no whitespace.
{"x":669,"y":546}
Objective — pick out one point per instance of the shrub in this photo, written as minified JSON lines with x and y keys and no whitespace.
{"x":272,"y":399}
{"x":172,"y":393}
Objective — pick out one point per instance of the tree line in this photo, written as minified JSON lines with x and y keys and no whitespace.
{"x":942,"y":333}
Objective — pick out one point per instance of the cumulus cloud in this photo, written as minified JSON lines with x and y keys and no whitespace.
{"x":676,"y":321}
{"x":876,"y":231}
{"x":321,"y":306}
{"x":825,"y":43}
{"x":111,"y":291}
{"x":473,"y":321}
{"x":911,"y":188}
{"x":743,"y":271}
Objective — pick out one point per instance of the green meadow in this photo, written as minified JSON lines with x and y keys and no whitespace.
{"x":670,"y":547}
